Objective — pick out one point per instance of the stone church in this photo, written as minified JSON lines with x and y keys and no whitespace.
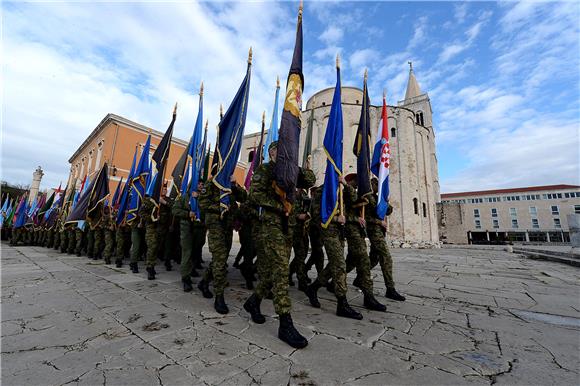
{"x":414,"y":178}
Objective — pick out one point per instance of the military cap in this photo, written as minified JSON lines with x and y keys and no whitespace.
{"x":273,"y":145}
{"x":349,"y":177}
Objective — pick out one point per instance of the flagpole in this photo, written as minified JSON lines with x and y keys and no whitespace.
{"x":340,"y":186}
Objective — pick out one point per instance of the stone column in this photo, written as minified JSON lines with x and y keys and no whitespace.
{"x":35,"y":185}
{"x":574,"y":226}
{"x":527,"y":237}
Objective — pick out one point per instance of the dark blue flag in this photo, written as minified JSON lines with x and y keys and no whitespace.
{"x":361,"y":148}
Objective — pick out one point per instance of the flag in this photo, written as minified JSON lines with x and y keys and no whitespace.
{"x":20,"y":212}
{"x":117,"y":194}
{"x":216,"y":160}
{"x":206,"y":164}
{"x":273,"y":130}
{"x":185,"y":181}
{"x":361,"y":148}
{"x":231,"y":131}
{"x":308,"y":139}
{"x":195,"y":156}
{"x":47,"y":206}
{"x":381,"y":162}
{"x":160,"y":157}
{"x":286,"y":168}
{"x":333,"y":149}
{"x":96,"y":193}
{"x":204,"y":153}
{"x":10,"y":217}
{"x":124,"y":200}
{"x":257,"y":158}
{"x":138,"y":183}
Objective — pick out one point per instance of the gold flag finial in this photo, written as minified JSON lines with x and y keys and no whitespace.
{"x":384,"y":93}
{"x":337,"y":60}
{"x":250,"y":56}
{"x":300,"y":8}
{"x":277,"y":82}
{"x":264,"y":117}
{"x":221,"y":110}
{"x":175,"y":109}
{"x":366,"y":74}
{"x":206,"y":123}
{"x":201,"y":89}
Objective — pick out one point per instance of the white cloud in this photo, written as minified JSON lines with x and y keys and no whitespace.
{"x":419,"y":33}
{"x":332,"y":35}
{"x":451,"y":51}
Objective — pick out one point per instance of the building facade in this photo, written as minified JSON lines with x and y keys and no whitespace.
{"x":114,"y":141}
{"x":537,"y":214}
{"x":414,"y":177}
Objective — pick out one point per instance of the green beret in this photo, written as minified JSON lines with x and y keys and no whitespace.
{"x":273,"y":145}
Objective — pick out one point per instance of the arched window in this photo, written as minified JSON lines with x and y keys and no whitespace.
{"x":393,"y":132}
{"x":424,"y":210}
{"x":416,"y":205}
{"x":357,"y":102}
{"x":251,"y":156}
{"x":419,"y":118}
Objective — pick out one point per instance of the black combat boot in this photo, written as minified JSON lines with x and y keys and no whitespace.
{"x":168,"y":266}
{"x":330,"y":287}
{"x":290,"y":280}
{"x":252,"y":305}
{"x":312,"y":293}
{"x":194,"y":273}
{"x":203,"y":286}
{"x":302,"y":286}
{"x":373,"y":304}
{"x":393,"y":294}
{"x":79,"y":254}
{"x":343,"y":309}
{"x":187,"y":286}
{"x":220,"y":305}
{"x":119,"y":263}
{"x":134,"y":267}
{"x":357,"y":282}
{"x":151,"y":273}
{"x":107,"y":260}
{"x":289,"y":334}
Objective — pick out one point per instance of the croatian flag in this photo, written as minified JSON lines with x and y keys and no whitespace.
{"x":381,"y":161}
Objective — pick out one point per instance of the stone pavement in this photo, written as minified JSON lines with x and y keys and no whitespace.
{"x":471,"y":317}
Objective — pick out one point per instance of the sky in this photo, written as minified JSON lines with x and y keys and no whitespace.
{"x":503,"y":77}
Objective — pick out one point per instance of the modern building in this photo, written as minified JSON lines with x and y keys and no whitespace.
{"x":414,"y":177}
{"x":114,"y":141}
{"x":536,"y":214}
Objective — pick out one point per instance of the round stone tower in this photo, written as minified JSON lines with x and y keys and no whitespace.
{"x":35,"y":185}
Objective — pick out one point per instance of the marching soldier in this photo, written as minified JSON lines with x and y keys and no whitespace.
{"x":181,"y":211}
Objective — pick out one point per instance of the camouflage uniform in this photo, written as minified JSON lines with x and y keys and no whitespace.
{"x":300,"y":238}
{"x":379,"y":249}
{"x":181,"y":211}
{"x":137,"y":240}
{"x":108,"y":226}
{"x":79,"y":240}
{"x":220,"y":232}
{"x":315,"y":238}
{"x":151,"y":232}
{"x":164,"y":226}
{"x":355,"y":234}
{"x":72,"y":243}
{"x":122,"y":240}
{"x":199,"y":233}
{"x":273,"y":235}
{"x":333,"y":240}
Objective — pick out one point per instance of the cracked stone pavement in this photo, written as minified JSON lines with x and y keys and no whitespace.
{"x":471,"y":317}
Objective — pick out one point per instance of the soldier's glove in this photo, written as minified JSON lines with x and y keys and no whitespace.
{"x":389,"y":210}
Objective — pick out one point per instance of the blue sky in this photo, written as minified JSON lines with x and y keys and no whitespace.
{"x":503,"y":78}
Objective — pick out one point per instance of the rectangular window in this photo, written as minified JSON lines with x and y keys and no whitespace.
{"x":477,"y":224}
{"x":513,"y":212}
{"x":577,"y":209}
{"x":557,"y":223}
{"x":514,"y":223}
{"x":496,"y":224}
{"x":475,"y":212}
{"x":533,"y":211}
{"x":493,"y":212}
{"x":567,"y":195}
{"x":559,"y":195}
{"x":555,"y":209}
{"x":535,"y":223}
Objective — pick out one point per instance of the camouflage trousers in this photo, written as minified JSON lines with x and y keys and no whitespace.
{"x":72,"y":241}
{"x":50,"y":238}
{"x":219,"y":237}
{"x":186,"y":240}
{"x":300,"y":247}
{"x":137,"y":241}
{"x":123,"y":242}
{"x":79,"y":240}
{"x":152,"y":241}
{"x":380,"y":254}
{"x":63,"y":240}
{"x":317,"y":254}
{"x":199,"y":234}
{"x":109,"y":236}
{"x":333,"y":241}
{"x":273,"y":247}
{"x":357,"y":250}
{"x":95,"y":243}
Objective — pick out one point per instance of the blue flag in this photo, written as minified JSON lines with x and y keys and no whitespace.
{"x":231,"y":131}
{"x":333,"y":149}
{"x":126,"y":191}
{"x":195,"y":157}
{"x":138,"y":183}
{"x":273,"y":130}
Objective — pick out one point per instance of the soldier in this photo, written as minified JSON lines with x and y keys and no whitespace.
{"x":122,"y":242}
{"x":199,"y":233}
{"x":220,"y":232}
{"x":315,"y":238}
{"x":72,"y":239}
{"x":376,"y":231}
{"x":274,"y":243}
{"x":245,"y":223}
{"x":181,"y":210}
{"x":300,"y":239}
{"x":357,"y":247}
{"x":79,"y":237}
{"x":333,"y":239}
{"x":108,"y":226}
{"x":151,"y":234}
{"x":137,"y":241}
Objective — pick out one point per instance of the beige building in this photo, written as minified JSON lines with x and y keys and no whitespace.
{"x":414,"y":178}
{"x":532,"y":214}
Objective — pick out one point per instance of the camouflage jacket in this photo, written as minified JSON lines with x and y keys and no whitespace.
{"x":209,"y":199}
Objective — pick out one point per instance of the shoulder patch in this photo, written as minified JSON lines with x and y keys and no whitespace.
{"x":204,"y":190}
{"x":256,"y":177}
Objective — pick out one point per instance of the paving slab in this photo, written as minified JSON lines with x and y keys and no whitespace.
{"x":472,"y":316}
